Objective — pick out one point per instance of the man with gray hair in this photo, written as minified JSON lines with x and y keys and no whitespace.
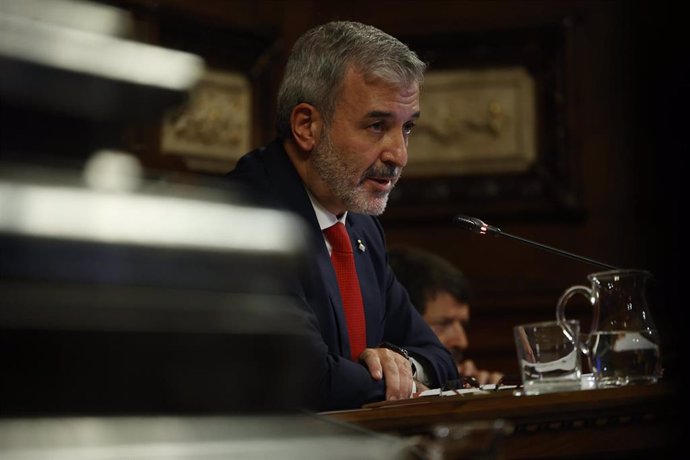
{"x":346,"y":106}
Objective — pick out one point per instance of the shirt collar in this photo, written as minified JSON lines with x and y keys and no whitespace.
{"x":325,"y":217}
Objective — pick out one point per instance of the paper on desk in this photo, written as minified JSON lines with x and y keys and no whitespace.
{"x":483,"y":389}
{"x":463,"y":391}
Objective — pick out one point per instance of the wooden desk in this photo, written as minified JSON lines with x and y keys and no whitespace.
{"x":616,"y":423}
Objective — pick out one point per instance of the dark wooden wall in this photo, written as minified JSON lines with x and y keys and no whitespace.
{"x":623,"y":141}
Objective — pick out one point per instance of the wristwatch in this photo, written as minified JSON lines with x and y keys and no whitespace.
{"x":395,"y":348}
{"x":400,"y":351}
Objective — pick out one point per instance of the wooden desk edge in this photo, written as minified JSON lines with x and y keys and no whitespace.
{"x":394,"y":415}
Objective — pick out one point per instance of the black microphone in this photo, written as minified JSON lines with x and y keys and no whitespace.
{"x":479,"y":226}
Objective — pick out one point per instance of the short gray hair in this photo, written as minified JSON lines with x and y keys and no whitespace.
{"x":316,"y":67}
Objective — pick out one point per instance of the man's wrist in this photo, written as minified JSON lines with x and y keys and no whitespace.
{"x":401,"y":351}
{"x":420,"y":374}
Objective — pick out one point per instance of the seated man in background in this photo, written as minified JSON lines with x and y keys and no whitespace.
{"x":441,"y":294}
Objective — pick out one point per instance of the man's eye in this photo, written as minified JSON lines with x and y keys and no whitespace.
{"x":407,"y":129}
{"x":443,"y":323}
{"x":378,"y":126}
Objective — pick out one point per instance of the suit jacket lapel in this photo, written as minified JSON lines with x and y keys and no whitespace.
{"x":293,"y":196}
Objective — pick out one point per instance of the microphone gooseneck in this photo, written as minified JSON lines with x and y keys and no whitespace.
{"x":475,"y":225}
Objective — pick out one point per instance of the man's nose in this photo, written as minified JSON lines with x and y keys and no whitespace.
{"x":395,"y":150}
{"x":456,"y":336}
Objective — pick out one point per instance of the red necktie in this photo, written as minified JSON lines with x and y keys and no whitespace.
{"x":343,"y":261}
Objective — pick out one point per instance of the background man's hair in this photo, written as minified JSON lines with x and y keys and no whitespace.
{"x":425,"y":275}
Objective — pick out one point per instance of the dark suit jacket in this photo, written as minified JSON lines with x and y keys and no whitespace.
{"x":339,"y":382}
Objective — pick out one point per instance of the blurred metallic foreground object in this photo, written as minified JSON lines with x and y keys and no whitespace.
{"x":126,"y":296}
{"x":196,"y":438}
{"x":73,"y":80}
{"x":75,"y":58}
{"x":148,"y":302}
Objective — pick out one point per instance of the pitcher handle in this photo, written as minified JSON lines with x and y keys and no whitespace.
{"x":571,"y":291}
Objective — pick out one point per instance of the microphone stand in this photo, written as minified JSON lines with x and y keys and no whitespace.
{"x":479,"y":226}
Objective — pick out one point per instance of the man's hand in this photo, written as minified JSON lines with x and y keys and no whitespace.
{"x":467,"y":368}
{"x":420,"y":388}
{"x":394,"y":368}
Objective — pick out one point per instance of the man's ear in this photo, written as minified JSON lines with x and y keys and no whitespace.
{"x":306,"y":123}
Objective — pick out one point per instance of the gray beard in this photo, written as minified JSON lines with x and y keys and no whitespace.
{"x":343,"y":180}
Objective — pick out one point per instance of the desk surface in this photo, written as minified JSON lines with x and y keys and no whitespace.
{"x":615,"y":421}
